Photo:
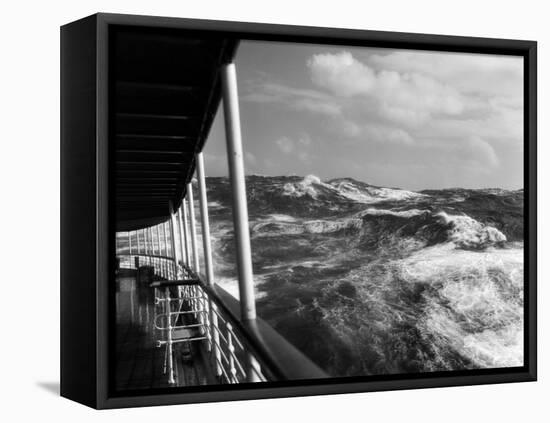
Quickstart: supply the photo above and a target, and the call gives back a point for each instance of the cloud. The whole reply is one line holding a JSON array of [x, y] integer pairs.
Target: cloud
[[304, 140], [482, 74], [399, 97], [298, 148], [250, 158], [341, 74], [468, 106], [285, 144], [304, 157], [296, 99], [478, 151]]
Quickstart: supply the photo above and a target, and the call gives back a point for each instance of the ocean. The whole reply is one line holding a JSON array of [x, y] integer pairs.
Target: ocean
[[369, 280]]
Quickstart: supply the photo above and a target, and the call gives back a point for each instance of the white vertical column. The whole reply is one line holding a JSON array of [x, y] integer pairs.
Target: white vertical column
[[150, 236], [193, 227], [182, 237], [145, 242], [158, 240], [138, 248], [173, 239], [214, 336], [183, 211], [130, 243], [165, 249], [238, 188], [169, 348], [205, 222]]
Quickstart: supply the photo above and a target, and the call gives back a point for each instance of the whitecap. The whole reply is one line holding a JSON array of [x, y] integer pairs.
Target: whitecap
[[467, 232], [277, 228], [370, 194], [399, 213], [304, 187]]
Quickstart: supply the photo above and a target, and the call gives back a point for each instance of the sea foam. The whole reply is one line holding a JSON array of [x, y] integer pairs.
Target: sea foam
[[466, 232]]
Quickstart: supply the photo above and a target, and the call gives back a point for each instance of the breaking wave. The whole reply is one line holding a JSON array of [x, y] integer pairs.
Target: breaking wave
[[442, 308], [467, 232], [369, 280], [313, 187], [427, 227]]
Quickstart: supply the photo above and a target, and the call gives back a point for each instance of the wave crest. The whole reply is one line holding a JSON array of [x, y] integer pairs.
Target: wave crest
[[466, 232], [347, 189]]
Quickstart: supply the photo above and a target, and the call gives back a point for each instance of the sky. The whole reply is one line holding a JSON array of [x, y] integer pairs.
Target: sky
[[397, 118]]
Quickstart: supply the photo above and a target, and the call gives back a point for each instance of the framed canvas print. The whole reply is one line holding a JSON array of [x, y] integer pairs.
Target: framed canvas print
[[255, 211]]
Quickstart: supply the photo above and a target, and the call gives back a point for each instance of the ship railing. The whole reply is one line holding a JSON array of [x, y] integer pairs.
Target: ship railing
[[194, 316], [164, 267], [188, 310], [243, 347]]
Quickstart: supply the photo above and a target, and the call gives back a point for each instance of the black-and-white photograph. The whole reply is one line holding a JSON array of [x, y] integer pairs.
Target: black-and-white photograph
[[292, 211]]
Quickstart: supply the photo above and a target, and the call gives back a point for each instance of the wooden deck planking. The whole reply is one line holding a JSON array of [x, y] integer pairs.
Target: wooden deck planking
[[139, 363]]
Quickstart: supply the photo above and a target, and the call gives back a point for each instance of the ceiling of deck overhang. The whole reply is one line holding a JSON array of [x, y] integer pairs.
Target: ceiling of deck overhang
[[164, 93]]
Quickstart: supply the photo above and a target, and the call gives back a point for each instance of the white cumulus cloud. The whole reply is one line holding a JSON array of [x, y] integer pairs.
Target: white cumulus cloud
[[285, 144]]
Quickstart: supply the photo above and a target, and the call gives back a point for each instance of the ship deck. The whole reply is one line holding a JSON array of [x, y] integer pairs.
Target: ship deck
[[139, 363]]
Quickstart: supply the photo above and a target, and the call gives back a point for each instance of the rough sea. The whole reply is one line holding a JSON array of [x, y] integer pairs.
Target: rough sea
[[369, 280]]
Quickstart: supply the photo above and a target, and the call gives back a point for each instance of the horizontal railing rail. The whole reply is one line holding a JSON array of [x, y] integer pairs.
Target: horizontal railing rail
[[259, 338], [241, 351], [164, 266]]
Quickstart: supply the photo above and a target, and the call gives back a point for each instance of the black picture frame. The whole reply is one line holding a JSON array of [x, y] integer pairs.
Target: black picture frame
[[86, 212]]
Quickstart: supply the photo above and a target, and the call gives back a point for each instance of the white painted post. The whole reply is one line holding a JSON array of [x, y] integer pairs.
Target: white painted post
[[169, 349], [214, 336], [205, 223], [165, 249], [138, 247], [159, 249], [183, 211], [173, 238], [158, 240], [145, 242], [182, 238], [148, 240], [130, 243], [191, 208], [150, 231], [238, 188]]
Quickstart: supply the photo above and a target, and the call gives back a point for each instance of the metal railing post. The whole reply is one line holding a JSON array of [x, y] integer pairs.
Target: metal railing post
[[182, 239], [130, 243], [158, 239], [173, 238], [193, 227], [238, 190], [165, 249], [150, 232], [231, 349], [183, 211], [205, 222], [240, 207], [145, 242], [208, 266], [159, 249], [215, 339], [169, 351]]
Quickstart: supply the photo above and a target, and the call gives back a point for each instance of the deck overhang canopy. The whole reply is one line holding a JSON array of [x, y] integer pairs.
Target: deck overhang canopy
[[164, 97]]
